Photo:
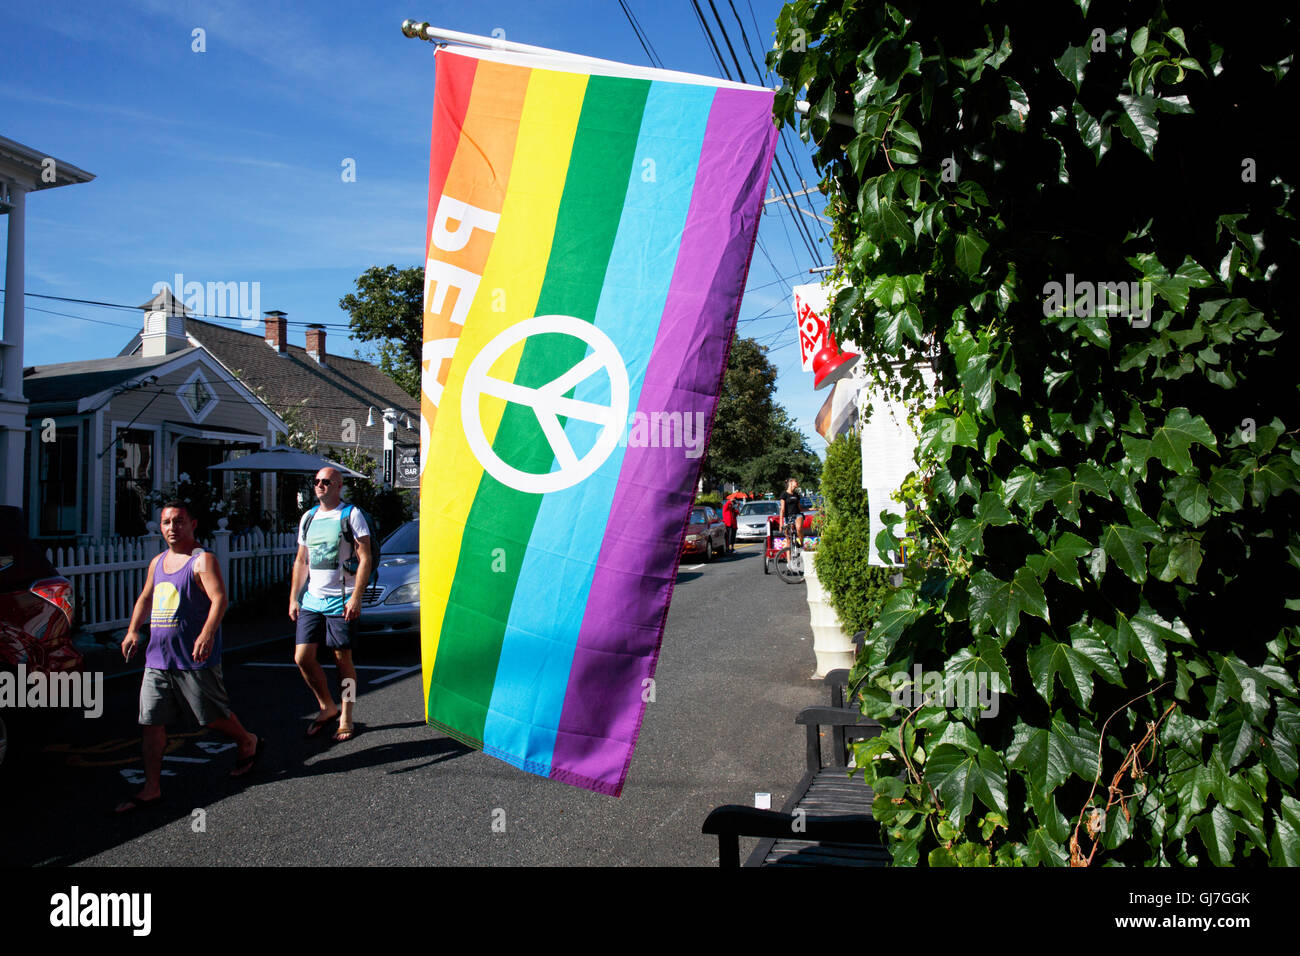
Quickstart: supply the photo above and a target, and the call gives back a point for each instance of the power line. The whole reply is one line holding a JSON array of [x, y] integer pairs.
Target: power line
[[717, 54], [640, 35], [190, 313], [800, 226], [782, 136]]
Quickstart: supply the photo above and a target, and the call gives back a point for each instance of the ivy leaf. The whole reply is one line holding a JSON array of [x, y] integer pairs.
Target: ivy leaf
[[991, 511], [1227, 489], [1280, 758], [984, 660], [1061, 558], [970, 252], [1019, 487], [941, 431], [1179, 557], [1138, 122], [1124, 546], [1272, 477], [1218, 830], [1043, 851], [1288, 721], [1000, 602], [1049, 660], [1236, 737], [1285, 848], [1142, 632], [1049, 755], [960, 736], [899, 612], [958, 778], [1071, 64], [1191, 498], [896, 330], [1172, 440]]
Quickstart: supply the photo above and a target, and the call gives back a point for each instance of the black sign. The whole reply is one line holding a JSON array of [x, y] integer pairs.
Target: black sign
[[408, 466]]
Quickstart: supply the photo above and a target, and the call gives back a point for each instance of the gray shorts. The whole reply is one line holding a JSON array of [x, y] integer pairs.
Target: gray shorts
[[202, 690]]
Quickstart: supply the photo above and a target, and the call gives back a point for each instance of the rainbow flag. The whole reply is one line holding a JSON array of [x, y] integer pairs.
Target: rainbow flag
[[590, 229]]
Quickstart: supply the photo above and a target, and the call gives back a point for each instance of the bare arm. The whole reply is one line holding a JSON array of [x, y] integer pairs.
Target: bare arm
[[300, 575], [209, 575], [353, 608], [143, 605]]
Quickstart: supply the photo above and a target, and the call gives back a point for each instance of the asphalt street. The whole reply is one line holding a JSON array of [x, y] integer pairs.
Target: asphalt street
[[733, 672]]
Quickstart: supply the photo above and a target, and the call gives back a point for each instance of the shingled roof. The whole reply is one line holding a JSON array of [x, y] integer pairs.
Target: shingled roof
[[343, 388], [57, 389]]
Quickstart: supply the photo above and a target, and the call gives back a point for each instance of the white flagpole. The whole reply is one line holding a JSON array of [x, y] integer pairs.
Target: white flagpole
[[441, 37], [505, 51]]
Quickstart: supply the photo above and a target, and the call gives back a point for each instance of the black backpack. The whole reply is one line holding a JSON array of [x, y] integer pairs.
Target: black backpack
[[351, 564]]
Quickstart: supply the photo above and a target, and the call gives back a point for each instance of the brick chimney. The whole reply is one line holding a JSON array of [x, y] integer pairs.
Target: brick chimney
[[316, 343], [276, 336]]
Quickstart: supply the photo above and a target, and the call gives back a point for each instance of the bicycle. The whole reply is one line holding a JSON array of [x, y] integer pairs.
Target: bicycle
[[789, 560]]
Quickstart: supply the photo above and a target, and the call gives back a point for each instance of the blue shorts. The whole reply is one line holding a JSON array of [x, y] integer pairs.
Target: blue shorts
[[332, 630]]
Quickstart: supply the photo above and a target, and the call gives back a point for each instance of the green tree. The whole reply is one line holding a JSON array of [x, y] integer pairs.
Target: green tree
[[857, 588], [388, 308], [742, 426], [1106, 499], [785, 455]]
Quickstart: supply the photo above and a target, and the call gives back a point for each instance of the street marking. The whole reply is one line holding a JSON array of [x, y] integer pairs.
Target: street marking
[[360, 667], [187, 759], [137, 776], [214, 747], [402, 673]]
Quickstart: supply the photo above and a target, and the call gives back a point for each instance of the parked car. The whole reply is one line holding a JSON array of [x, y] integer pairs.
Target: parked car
[[36, 608], [705, 534], [751, 524], [392, 604]]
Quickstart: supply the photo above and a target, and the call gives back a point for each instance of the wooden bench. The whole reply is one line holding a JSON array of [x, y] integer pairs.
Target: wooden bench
[[827, 820]]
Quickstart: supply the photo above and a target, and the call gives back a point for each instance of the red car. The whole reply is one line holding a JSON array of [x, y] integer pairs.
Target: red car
[[705, 534], [35, 608]]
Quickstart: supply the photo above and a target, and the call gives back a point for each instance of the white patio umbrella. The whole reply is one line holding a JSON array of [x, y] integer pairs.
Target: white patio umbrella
[[283, 458]]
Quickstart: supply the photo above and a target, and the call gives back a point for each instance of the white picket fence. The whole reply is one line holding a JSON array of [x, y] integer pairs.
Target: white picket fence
[[107, 577]]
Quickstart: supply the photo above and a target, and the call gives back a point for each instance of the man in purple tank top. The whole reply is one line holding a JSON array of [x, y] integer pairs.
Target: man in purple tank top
[[184, 600]]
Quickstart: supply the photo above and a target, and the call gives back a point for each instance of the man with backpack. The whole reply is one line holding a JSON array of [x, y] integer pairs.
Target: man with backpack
[[332, 537]]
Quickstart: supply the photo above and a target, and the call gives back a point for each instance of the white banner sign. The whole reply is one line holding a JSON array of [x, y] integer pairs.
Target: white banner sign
[[810, 302]]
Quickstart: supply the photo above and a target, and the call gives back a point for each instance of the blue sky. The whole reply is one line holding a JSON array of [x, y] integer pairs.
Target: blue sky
[[226, 165]]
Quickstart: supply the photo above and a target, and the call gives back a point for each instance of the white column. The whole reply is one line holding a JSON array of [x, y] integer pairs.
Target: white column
[[13, 425]]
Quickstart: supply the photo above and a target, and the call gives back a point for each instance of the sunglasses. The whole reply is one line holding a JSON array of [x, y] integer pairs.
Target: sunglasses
[[323, 481]]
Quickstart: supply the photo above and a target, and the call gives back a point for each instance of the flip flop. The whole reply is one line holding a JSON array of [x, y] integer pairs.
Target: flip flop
[[343, 736], [318, 725], [244, 765], [137, 803]]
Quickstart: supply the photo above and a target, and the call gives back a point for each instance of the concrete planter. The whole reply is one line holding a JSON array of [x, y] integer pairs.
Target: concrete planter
[[831, 645]]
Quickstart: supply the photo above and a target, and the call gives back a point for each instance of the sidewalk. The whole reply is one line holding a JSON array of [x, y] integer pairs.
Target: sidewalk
[[257, 621]]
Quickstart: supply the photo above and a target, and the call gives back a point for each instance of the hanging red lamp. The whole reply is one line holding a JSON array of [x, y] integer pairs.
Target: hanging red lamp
[[830, 364]]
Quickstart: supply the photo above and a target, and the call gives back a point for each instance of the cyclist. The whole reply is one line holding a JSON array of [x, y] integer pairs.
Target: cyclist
[[792, 509]]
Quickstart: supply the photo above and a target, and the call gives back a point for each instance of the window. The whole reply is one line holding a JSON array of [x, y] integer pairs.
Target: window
[[57, 482], [197, 396], [133, 476]]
